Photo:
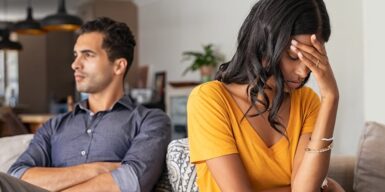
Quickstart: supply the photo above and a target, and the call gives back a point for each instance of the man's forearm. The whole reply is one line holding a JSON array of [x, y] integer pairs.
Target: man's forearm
[[100, 183], [56, 179]]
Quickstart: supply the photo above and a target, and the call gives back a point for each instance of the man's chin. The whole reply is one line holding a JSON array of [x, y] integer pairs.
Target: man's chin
[[82, 89]]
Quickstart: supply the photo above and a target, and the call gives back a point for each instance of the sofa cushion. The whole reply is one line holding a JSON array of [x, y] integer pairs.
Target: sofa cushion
[[341, 169], [181, 173], [11, 148], [370, 167]]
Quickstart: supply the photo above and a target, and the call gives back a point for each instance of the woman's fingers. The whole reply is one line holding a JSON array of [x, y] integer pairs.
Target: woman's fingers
[[313, 55], [306, 48], [318, 45], [305, 54], [316, 49], [313, 66]]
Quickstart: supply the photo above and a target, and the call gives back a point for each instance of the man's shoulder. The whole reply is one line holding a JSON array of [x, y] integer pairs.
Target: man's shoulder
[[50, 127], [61, 117], [149, 112]]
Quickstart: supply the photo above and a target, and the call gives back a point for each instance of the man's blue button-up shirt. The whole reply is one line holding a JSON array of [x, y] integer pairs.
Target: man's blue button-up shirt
[[127, 133]]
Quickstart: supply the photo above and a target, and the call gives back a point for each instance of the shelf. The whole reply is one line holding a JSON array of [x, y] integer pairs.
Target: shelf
[[180, 84]]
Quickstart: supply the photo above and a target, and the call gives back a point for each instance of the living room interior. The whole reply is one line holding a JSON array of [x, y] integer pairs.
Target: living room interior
[[164, 29]]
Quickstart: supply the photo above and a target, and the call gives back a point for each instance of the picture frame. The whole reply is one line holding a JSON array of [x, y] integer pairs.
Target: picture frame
[[159, 86]]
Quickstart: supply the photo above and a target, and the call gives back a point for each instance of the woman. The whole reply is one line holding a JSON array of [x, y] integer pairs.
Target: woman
[[258, 128]]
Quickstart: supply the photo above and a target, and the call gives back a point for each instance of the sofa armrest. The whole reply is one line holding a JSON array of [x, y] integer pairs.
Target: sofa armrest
[[11, 148], [341, 169]]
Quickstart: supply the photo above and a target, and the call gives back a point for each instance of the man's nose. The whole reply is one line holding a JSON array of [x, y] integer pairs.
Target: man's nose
[[75, 64]]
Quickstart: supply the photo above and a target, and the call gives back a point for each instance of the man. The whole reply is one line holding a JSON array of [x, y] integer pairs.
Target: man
[[107, 143]]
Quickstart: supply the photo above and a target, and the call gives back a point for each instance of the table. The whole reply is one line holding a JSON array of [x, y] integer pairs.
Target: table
[[34, 121]]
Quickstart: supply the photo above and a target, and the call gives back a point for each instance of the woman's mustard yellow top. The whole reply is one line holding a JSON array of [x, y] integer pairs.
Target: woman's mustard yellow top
[[215, 129]]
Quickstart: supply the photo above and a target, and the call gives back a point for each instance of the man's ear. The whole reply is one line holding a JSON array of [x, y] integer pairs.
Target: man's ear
[[120, 66]]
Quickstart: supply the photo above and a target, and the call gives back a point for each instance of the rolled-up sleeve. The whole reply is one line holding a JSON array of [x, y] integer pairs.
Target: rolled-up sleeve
[[125, 177], [146, 156], [37, 153]]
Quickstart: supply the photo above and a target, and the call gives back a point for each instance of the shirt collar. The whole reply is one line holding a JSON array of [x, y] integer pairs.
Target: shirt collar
[[81, 106], [125, 101]]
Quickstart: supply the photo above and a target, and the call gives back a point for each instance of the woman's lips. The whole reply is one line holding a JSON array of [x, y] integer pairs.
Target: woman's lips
[[293, 84]]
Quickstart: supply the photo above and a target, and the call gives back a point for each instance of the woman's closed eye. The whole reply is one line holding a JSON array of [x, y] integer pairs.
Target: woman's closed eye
[[293, 56]]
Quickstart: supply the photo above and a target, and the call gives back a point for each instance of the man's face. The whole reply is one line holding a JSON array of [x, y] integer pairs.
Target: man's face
[[93, 70]]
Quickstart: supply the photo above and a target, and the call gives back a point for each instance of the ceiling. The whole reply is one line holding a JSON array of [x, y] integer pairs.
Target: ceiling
[[15, 10]]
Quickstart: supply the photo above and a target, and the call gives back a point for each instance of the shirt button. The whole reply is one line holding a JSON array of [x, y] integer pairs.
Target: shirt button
[[89, 131], [83, 153]]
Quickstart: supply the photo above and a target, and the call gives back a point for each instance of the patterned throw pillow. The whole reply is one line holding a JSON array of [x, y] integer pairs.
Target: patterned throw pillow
[[181, 174]]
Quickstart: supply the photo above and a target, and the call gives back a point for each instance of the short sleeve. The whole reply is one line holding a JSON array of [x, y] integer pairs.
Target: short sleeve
[[209, 127], [310, 104]]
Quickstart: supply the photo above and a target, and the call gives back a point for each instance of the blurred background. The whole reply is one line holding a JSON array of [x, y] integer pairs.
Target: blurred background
[[37, 79]]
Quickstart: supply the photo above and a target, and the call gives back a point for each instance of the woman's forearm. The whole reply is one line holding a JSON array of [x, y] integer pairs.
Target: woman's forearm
[[281, 189], [314, 165]]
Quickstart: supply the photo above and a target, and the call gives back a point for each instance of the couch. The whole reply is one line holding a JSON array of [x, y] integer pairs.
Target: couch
[[364, 172]]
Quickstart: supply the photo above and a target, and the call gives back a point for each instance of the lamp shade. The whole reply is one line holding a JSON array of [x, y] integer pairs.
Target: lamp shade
[[61, 21], [6, 43], [29, 26]]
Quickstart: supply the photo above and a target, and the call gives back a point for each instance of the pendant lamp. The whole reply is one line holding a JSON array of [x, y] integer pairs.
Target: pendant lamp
[[29, 26], [6, 43], [61, 21]]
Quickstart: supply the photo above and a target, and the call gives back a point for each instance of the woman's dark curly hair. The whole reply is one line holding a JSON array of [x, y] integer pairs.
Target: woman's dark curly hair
[[264, 35]]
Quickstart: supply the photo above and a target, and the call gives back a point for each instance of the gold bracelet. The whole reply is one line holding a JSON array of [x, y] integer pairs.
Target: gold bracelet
[[328, 139], [328, 148]]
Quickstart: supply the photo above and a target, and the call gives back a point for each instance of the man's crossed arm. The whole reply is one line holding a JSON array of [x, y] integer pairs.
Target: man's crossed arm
[[90, 176]]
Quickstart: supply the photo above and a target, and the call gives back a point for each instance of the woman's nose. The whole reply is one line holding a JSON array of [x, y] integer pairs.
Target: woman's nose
[[302, 70]]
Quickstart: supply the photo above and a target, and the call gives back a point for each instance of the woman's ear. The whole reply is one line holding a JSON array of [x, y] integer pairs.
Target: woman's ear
[[120, 66]]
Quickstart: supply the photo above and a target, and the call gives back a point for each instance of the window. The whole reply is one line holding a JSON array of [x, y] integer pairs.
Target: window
[[9, 77]]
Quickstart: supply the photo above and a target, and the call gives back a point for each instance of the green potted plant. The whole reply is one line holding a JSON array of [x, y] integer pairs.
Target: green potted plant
[[205, 61]]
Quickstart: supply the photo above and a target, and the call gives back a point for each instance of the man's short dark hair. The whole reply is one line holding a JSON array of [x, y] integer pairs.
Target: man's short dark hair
[[118, 40]]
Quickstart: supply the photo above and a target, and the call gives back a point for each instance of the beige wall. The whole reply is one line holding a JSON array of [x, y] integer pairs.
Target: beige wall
[[374, 64]]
